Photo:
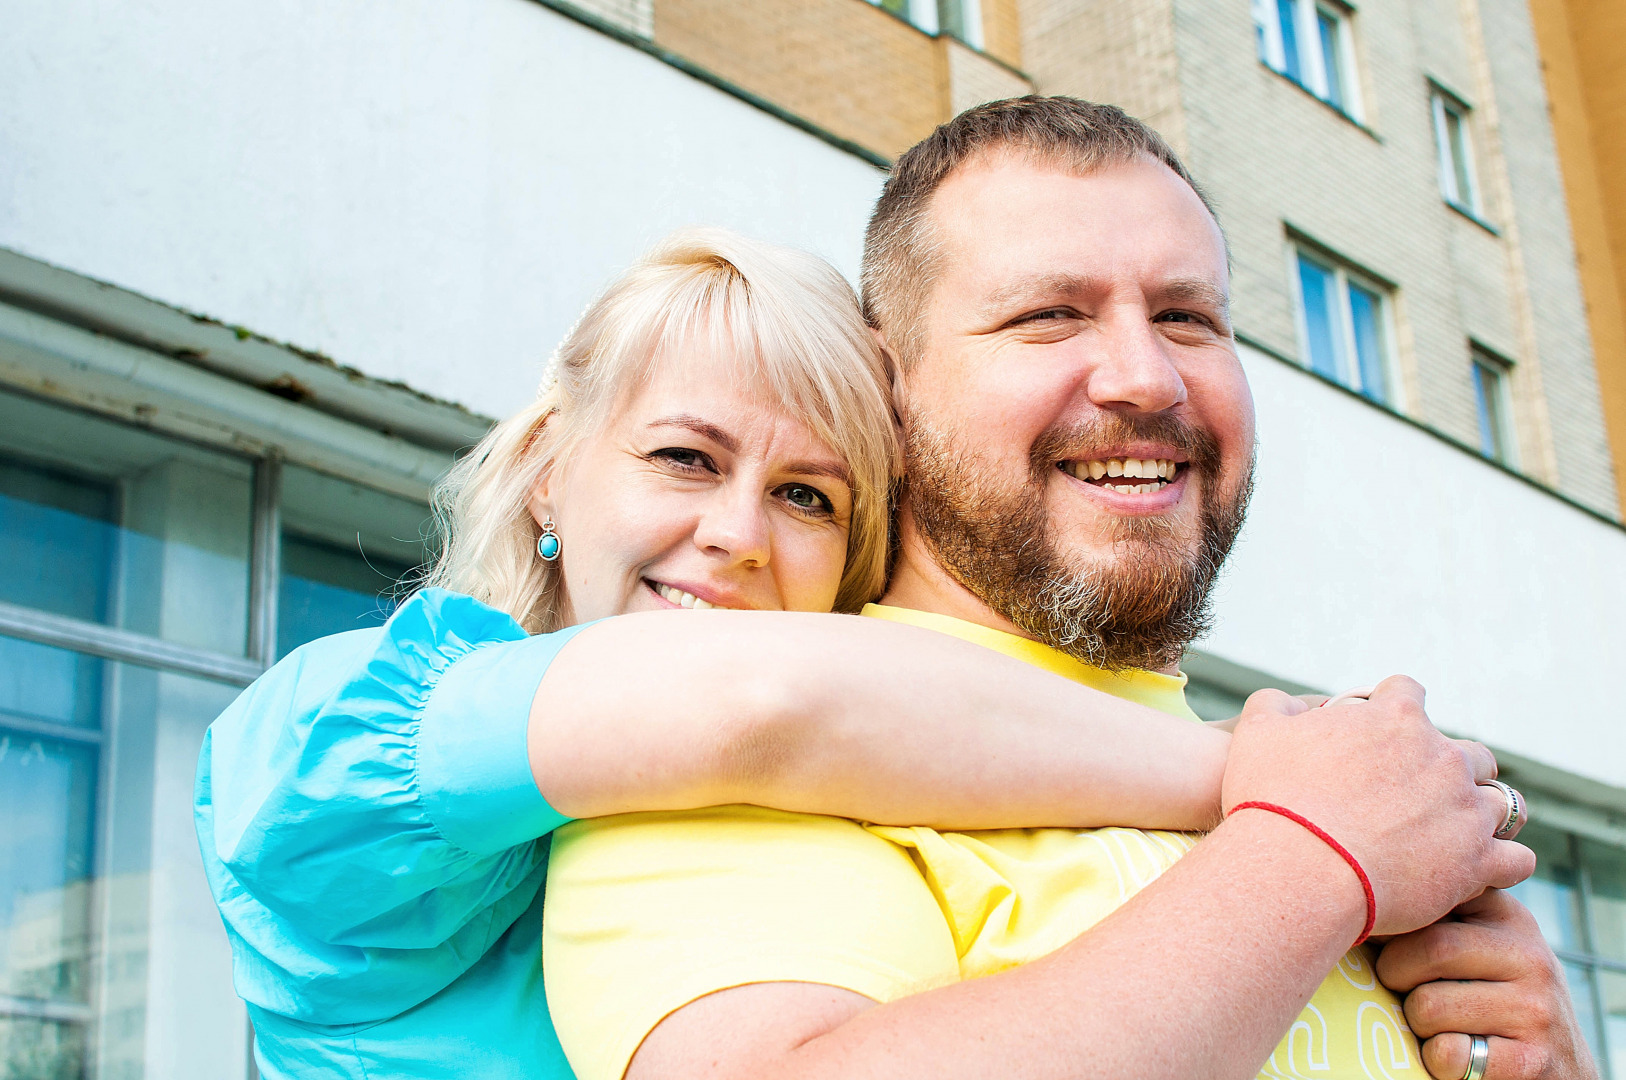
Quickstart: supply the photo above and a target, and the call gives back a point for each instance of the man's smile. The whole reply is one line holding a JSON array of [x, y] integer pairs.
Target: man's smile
[[1128, 475]]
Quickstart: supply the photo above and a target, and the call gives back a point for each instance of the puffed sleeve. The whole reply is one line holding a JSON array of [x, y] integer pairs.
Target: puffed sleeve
[[367, 814]]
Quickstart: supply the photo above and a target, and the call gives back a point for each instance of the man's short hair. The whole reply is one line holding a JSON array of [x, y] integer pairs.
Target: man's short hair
[[900, 254]]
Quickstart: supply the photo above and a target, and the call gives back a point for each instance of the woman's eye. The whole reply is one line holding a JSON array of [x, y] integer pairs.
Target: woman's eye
[[807, 498], [683, 458]]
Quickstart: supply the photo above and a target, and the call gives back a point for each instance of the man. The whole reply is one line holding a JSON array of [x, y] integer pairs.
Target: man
[[1079, 445]]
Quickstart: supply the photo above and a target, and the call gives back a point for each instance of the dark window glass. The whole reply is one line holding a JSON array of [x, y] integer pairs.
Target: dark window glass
[[328, 590]]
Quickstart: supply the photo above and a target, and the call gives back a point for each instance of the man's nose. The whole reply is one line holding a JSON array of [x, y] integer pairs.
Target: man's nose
[[734, 527], [1131, 369]]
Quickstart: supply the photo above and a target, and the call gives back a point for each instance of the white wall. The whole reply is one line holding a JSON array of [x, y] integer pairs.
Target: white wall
[[1375, 548], [427, 191]]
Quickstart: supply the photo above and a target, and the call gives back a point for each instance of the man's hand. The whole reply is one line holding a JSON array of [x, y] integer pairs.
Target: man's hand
[[1488, 973], [1405, 800]]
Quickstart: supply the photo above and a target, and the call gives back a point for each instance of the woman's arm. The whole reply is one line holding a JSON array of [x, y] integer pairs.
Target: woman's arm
[[857, 717]]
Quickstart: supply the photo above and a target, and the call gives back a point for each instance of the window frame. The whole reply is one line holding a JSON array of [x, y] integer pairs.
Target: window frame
[[58, 363], [927, 17], [1456, 157], [1346, 346], [1503, 430], [1310, 51]]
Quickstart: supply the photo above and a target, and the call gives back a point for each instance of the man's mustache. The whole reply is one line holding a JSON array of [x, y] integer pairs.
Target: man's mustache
[[1083, 439]]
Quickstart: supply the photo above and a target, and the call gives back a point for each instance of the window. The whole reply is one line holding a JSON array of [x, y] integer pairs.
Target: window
[[136, 600], [1490, 376], [958, 18], [1343, 325], [1309, 42], [1578, 895], [1456, 150]]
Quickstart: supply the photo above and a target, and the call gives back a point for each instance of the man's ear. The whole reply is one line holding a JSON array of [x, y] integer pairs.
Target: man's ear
[[895, 377]]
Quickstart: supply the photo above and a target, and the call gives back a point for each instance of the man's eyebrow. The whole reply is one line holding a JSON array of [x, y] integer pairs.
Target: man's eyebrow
[[700, 427], [1036, 288], [1194, 291]]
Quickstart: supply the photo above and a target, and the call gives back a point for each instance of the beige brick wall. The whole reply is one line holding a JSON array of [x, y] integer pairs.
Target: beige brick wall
[[1120, 51], [1002, 31], [974, 78], [1583, 47], [845, 65]]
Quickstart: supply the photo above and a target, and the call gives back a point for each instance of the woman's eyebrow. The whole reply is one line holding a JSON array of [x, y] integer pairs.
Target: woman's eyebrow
[[700, 427], [829, 469]]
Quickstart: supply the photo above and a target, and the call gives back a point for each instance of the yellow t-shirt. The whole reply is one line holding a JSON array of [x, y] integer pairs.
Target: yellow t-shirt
[[647, 912]]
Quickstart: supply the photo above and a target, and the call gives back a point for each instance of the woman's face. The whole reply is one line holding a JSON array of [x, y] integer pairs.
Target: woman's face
[[701, 491]]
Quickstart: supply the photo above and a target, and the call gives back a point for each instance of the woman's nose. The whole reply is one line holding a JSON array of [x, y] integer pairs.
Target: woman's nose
[[735, 526]]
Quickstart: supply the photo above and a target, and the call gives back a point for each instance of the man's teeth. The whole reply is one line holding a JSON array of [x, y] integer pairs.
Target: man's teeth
[[1161, 472], [683, 599]]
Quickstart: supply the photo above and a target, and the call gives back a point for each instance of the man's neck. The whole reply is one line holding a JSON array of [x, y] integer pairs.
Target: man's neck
[[920, 583]]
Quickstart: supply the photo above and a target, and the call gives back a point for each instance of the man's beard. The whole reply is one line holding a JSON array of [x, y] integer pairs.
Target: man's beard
[[1139, 609]]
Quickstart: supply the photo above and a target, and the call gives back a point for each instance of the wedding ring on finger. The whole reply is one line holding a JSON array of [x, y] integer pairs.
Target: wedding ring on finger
[[1360, 693], [1516, 812], [1478, 1055]]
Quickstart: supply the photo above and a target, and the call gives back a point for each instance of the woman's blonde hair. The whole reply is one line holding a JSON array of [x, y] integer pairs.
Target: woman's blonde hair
[[786, 316]]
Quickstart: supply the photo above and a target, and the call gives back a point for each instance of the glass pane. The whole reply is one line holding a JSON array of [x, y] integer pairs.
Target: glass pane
[[1457, 139], [1488, 401], [1290, 40], [1613, 991], [111, 953], [1332, 61], [345, 550], [47, 800], [1364, 309], [1579, 981], [951, 18], [111, 524], [1552, 894], [1606, 874], [1316, 286], [32, 1049]]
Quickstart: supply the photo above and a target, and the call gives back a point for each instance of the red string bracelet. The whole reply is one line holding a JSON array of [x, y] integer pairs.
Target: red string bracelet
[[1343, 853]]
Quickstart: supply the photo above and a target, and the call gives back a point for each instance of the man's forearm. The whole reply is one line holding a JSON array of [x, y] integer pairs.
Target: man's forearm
[[1197, 976]]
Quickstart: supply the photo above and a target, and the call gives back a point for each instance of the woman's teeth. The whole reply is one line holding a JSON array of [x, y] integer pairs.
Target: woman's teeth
[[683, 599], [1160, 472]]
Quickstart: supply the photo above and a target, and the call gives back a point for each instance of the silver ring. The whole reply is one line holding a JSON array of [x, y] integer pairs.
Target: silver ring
[[1478, 1056], [1516, 812]]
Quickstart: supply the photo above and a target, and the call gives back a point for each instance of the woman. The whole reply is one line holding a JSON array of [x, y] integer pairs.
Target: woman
[[716, 434]]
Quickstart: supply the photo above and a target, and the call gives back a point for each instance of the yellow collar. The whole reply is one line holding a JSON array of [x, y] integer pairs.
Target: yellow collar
[[1166, 693]]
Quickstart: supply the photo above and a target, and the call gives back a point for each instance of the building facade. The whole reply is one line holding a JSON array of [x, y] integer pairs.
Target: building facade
[[265, 269]]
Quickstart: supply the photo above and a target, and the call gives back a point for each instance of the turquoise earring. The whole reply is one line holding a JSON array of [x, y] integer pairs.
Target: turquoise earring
[[547, 545]]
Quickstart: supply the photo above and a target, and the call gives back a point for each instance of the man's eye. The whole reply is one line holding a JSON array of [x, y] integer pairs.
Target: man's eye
[[1047, 315], [1181, 316]]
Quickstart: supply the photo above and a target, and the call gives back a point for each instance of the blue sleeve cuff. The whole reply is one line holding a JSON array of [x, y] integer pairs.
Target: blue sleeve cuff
[[474, 765]]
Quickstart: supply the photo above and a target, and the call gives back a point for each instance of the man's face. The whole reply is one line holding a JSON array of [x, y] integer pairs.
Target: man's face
[[1077, 334]]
